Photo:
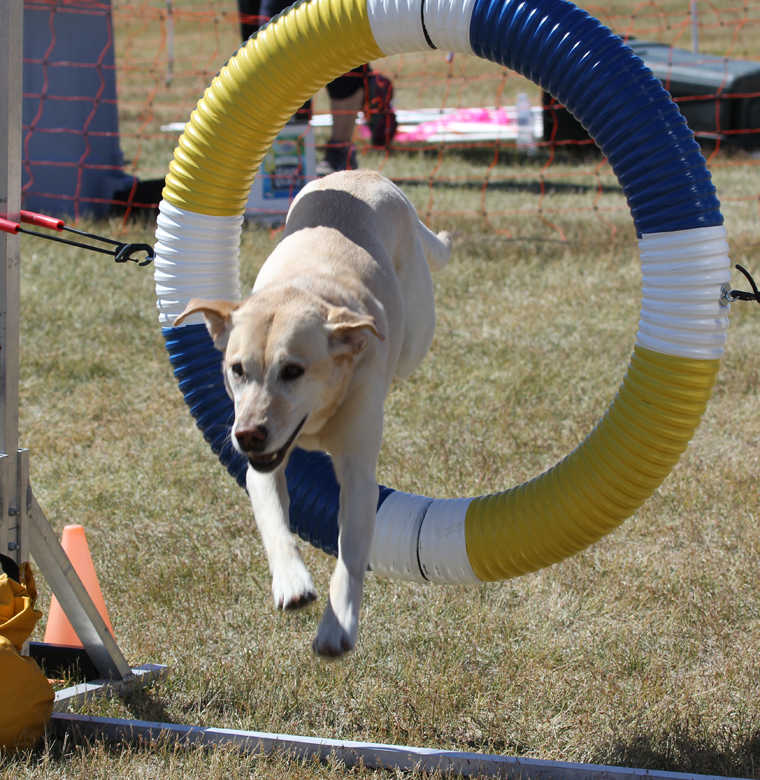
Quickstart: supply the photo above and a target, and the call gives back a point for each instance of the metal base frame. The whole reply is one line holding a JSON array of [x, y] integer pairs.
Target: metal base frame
[[368, 754], [80, 693], [24, 530]]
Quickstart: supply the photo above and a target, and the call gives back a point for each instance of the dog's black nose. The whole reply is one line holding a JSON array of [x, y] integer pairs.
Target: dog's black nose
[[253, 439]]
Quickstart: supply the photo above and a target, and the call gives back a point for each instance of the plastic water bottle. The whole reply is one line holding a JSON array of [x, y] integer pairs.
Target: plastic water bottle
[[526, 142]]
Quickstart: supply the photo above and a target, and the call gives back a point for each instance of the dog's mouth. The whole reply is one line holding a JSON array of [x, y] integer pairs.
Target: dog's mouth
[[268, 462]]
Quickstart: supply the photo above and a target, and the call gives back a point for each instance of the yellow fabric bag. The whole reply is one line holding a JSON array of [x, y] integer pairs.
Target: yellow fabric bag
[[26, 697]]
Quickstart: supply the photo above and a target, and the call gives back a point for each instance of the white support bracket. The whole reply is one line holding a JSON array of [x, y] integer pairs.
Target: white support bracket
[[80, 693]]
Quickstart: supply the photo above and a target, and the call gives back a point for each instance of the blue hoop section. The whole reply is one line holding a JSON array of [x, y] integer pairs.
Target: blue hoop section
[[614, 96]]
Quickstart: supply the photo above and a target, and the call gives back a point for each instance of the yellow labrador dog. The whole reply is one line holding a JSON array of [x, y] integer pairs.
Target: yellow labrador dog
[[342, 306]]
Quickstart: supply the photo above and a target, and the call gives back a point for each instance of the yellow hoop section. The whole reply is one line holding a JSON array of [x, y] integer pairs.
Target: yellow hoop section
[[249, 102], [601, 483]]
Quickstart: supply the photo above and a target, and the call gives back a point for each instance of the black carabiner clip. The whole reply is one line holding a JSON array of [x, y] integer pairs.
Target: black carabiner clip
[[744, 295], [123, 253], [120, 251]]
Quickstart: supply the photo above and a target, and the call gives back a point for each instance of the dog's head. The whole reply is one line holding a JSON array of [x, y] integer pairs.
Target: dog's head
[[288, 360]]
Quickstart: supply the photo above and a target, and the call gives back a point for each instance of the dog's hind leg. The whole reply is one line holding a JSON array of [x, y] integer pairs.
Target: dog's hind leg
[[429, 251], [292, 586]]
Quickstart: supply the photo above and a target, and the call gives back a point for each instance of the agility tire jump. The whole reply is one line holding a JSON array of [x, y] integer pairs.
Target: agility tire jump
[[683, 249]]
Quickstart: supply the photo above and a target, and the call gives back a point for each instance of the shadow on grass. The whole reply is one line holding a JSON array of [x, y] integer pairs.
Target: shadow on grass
[[533, 186], [143, 706], [681, 751], [502, 177], [669, 751]]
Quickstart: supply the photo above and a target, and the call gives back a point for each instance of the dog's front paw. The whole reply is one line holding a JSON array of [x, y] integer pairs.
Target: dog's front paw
[[332, 638], [292, 587]]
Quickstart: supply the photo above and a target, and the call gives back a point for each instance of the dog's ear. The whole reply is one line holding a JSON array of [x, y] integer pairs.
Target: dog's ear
[[348, 331], [217, 315]]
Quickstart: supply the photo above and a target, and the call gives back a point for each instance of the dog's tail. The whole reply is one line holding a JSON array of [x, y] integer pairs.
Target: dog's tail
[[437, 248]]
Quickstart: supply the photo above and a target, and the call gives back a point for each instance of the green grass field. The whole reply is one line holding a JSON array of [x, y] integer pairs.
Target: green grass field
[[640, 651]]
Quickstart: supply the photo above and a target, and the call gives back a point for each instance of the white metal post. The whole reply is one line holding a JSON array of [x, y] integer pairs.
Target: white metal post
[[24, 530], [11, 13]]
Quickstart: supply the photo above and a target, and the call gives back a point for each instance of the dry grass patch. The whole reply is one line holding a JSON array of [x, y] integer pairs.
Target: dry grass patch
[[640, 651]]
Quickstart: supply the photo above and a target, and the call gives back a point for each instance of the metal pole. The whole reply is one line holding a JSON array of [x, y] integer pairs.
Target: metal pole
[[694, 26], [23, 527], [169, 42], [11, 42]]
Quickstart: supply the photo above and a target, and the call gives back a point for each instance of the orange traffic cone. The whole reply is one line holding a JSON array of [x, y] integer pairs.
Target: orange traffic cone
[[59, 630]]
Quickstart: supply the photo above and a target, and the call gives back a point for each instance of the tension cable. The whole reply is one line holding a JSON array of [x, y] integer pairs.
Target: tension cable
[[119, 250], [743, 295]]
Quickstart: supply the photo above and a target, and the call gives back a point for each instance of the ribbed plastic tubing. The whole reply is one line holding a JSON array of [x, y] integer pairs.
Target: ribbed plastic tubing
[[683, 249]]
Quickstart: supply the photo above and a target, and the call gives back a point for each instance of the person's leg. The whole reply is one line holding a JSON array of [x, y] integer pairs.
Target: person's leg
[[346, 95], [344, 112]]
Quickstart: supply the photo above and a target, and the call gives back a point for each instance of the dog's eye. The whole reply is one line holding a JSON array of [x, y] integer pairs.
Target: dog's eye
[[237, 369], [290, 371]]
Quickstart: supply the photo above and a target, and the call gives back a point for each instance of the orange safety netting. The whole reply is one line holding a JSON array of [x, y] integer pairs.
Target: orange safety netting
[[149, 61]]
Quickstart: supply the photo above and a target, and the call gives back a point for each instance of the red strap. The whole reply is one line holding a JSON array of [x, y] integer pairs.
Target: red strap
[[9, 227], [41, 220]]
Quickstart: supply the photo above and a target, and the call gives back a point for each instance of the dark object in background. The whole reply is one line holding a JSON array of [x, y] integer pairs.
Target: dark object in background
[[249, 12], [721, 96], [378, 109], [139, 200], [73, 162], [10, 567]]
